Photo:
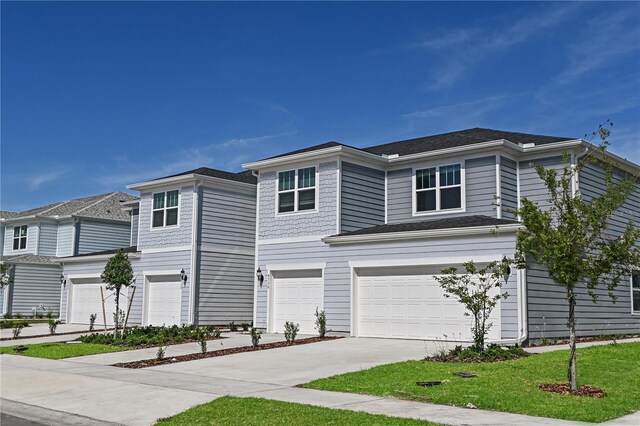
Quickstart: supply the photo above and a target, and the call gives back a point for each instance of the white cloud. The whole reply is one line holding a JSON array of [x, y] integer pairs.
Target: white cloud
[[34, 182]]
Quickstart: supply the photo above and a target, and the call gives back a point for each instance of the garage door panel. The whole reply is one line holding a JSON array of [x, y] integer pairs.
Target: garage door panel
[[87, 300], [411, 306], [295, 299], [164, 303]]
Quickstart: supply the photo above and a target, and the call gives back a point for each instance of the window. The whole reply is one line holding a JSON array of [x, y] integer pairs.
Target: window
[[438, 188], [297, 190], [20, 237], [165, 209], [635, 292]]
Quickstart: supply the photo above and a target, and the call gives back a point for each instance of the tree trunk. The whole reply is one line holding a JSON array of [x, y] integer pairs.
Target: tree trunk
[[572, 373], [117, 316]]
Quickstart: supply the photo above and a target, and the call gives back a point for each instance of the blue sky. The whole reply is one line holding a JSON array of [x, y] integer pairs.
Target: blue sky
[[97, 95]]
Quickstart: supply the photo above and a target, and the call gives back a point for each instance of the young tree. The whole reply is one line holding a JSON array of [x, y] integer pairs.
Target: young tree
[[570, 237], [473, 290], [5, 275], [117, 273]]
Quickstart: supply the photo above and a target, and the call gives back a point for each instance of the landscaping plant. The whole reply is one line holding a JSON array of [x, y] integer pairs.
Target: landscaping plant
[[570, 237], [117, 273], [233, 326], [202, 340], [245, 326], [321, 323], [255, 337], [92, 321], [53, 324], [17, 329], [475, 289], [291, 331]]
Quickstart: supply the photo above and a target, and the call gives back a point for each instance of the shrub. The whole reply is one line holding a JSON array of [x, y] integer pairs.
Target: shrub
[[92, 321], [49, 315], [53, 324], [17, 329], [160, 352], [233, 326], [152, 335], [255, 337], [18, 315], [291, 331], [321, 322], [11, 323], [245, 326], [213, 331], [38, 315], [201, 335], [491, 353]]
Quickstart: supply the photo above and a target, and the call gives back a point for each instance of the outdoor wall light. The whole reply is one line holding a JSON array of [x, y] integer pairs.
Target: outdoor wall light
[[183, 277], [259, 276], [507, 271], [62, 280]]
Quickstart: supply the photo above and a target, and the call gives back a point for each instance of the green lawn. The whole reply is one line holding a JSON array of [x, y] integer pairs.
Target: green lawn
[[512, 385], [257, 411], [61, 350]]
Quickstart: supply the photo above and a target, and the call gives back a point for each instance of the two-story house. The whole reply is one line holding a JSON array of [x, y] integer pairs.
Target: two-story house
[[32, 242], [360, 233], [192, 251]]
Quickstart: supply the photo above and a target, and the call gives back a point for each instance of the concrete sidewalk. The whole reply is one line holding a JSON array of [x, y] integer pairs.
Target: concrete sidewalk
[[565, 346]]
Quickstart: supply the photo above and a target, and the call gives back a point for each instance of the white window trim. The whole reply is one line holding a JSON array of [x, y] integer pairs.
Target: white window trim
[[438, 211], [26, 238], [158, 228], [631, 290], [296, 190]]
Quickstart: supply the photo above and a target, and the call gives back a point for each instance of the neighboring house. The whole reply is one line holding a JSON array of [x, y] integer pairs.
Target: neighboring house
[[33, 240], [360, 233], [192, 250]]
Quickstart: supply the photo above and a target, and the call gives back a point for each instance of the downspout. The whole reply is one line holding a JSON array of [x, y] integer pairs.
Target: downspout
[[522, 317], [574, 162], [194, 252], [255, 260]]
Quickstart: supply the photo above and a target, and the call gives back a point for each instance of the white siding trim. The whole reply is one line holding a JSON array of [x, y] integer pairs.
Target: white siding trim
[[498, 191], [386, 196], [166, 249], [290, 240], [194, 247], [226, 248], [37, 238], [256, 260], [295, 266], [425, 261], [518, 188], [338, 196]]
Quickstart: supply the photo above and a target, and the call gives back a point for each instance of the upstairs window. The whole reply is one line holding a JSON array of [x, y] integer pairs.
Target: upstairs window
[[635, 292], [20, 237], [165, 209], [438, 188], [297, 190]]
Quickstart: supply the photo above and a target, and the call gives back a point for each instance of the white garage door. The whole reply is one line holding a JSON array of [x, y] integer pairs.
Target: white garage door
[[296, 294], [408, 303], [86, 300], [164, 301]]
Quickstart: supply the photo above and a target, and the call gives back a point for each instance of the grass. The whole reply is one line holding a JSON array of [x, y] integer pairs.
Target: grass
[[257, 411], [60, 350], [511, 385]]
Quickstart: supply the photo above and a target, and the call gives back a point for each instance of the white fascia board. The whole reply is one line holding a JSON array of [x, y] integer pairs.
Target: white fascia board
[[448, 151], [412, 235], [96, 219], [230, 185], [424, 261], [295, 266], [315, 155], [79, 259], [130, 203], [175, 180]]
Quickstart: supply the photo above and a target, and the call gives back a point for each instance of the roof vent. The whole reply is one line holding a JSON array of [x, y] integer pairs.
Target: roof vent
[[528, 145]]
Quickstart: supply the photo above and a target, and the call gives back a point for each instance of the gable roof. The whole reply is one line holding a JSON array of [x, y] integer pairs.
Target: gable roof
[[101, 206], [4, 214], [441, 141], [245, 176], [460, 138], [29, 258]]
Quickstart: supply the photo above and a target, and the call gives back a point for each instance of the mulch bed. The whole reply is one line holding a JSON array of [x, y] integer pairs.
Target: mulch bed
[[552, 342], [475, 360], [221, 352], [50, 335], [565, 389]]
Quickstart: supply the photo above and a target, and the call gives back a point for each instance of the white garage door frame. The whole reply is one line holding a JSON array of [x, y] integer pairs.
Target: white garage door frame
[[145, 295], [434, 261], [81, 277], [282, 268]]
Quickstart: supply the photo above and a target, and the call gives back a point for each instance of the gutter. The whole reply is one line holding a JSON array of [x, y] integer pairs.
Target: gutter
[[89, 258], [409, 235]]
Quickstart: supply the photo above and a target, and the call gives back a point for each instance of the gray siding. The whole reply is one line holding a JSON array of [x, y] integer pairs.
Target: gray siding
[[531, 186], [337, 275], [135, 216], [166, 237], [323, 222], [228, 218], [48, 240], [98, 236], [548, 308], [480, 191], [34, 285], [508, 188], [362, 197], [65, 239], [150, 262], [226, 288]]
